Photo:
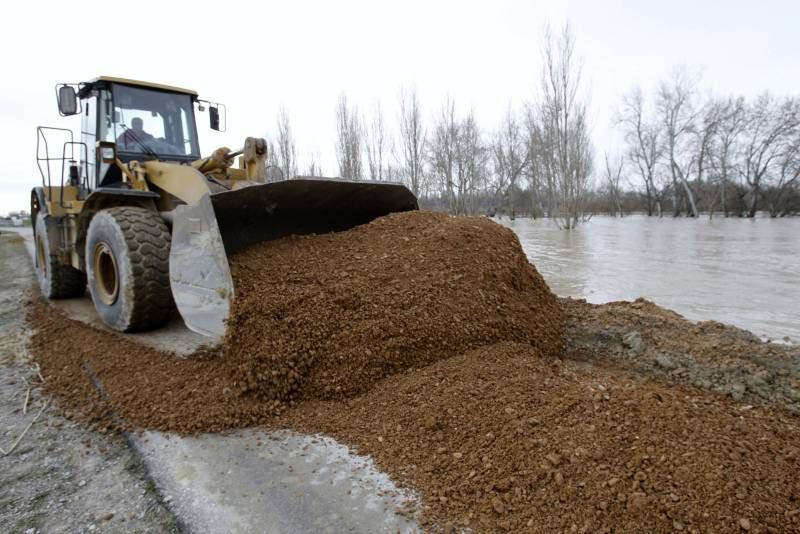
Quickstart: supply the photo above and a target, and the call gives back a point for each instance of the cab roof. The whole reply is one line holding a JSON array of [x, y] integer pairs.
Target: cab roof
[[138, 83]]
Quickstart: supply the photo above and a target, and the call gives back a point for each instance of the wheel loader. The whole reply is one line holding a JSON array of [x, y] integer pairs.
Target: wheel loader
[[148, 224]]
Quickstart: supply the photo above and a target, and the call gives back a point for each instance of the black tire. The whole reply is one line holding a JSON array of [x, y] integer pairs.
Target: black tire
[[57, 281], [127, 262]]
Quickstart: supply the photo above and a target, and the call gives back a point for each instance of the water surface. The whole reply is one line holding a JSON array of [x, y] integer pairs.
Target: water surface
[[739, 271]]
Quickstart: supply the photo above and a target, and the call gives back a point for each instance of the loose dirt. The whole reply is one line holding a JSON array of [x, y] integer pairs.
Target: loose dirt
[[325, 316], [496, 433]]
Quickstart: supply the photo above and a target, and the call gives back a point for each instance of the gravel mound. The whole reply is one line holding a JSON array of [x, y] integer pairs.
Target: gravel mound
[[503, 439], [326, 316]]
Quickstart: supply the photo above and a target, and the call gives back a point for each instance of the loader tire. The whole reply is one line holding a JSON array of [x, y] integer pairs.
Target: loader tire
[[56, 280], [127, 262]]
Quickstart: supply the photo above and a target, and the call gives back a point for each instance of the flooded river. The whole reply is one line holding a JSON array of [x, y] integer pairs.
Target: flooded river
[[737, 271]]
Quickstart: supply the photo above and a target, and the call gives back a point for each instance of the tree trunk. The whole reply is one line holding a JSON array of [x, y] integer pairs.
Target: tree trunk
[[690, 197]]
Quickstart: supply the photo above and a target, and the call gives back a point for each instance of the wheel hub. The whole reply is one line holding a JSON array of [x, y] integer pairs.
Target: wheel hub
[[106, 277]]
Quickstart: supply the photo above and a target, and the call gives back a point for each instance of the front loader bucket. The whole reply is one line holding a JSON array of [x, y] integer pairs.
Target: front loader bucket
[[220, 224]]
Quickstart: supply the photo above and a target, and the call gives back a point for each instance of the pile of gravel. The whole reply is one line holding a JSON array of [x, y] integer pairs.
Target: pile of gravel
[[326, 316]]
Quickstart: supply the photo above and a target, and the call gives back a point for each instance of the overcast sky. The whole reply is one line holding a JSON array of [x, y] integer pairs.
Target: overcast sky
[[257, 56]]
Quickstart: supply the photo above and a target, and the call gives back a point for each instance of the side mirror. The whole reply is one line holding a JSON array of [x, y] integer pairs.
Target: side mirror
[[67, 101], [213, 117]]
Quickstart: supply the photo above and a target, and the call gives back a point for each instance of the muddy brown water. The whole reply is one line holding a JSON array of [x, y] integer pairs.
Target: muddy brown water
[[742, 272]]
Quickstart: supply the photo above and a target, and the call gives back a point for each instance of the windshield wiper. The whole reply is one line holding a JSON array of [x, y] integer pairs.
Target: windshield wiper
[[145, 149]]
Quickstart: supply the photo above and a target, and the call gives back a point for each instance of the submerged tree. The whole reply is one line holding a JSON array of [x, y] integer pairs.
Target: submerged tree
[[645, 146], [562, 150]]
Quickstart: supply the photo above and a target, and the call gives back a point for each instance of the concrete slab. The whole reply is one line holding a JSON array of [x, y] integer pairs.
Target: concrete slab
[[279, 482], [257, 481]]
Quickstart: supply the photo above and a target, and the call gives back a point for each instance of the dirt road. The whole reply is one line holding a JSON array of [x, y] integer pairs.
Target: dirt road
[[62, 476]]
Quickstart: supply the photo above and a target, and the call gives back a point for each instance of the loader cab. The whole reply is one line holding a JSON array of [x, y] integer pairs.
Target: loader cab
[[146, 121]]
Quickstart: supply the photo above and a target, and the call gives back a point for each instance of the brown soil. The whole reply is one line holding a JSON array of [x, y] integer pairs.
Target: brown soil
[[325, 316], [503, 439], [502, 436]]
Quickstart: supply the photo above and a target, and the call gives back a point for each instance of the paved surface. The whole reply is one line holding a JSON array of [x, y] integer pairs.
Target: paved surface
[[253, 481], [257, 481], [55, 474]]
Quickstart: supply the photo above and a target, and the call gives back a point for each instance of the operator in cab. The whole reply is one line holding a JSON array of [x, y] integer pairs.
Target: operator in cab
[[133, 137]]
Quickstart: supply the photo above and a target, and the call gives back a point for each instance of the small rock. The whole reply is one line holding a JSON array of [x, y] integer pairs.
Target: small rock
[[498, 505], [457, 455], [677, 525], [634, 341], [737, 390], [665, 362], [637, 500], [744, 523], [82, 483], [613, 481], [553, 458], [108, 516]]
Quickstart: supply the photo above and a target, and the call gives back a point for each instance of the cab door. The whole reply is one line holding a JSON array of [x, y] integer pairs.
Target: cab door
[[89, 138]]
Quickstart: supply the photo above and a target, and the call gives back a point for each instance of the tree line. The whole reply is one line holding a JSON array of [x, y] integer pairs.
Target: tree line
[[683, 154], [690, 153]]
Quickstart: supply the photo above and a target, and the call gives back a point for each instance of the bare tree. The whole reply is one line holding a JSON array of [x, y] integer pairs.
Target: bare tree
[[443, 153], [314, 165], [412, 140], [612, 178], [458, 159], [645, 146], [348, 140], [675, 103], [561, 129], [709, 117], [771, 124], [788, 178], [274, 170], [509, 158], [377, 144], [287, 154], [471, 165], [723, 154]]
